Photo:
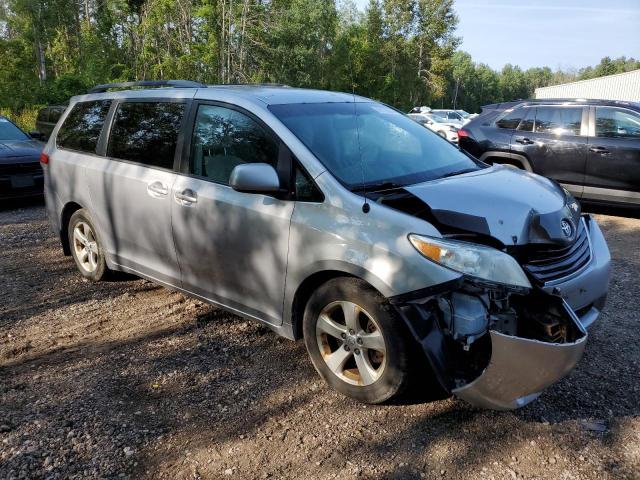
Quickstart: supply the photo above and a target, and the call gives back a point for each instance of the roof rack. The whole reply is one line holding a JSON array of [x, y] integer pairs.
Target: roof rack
[[148, 84]]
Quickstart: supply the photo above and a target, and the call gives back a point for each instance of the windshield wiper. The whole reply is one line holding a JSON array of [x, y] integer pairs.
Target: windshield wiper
[[459, 172], [376, 187]]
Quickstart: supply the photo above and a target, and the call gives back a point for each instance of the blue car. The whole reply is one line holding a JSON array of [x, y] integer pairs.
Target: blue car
[[20, 171]]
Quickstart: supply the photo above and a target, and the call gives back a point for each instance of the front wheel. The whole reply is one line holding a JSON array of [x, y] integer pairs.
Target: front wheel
[[356, 341]]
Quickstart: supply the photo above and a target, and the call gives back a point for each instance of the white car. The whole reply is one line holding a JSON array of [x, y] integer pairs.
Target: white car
[[443, 127], [455, 116]]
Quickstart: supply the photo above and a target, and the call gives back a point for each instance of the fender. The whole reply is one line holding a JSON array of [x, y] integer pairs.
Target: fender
[[510, 156]]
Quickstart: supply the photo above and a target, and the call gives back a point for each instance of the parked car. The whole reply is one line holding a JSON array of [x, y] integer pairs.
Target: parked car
[[336, 219], [20, 171], [47, 119], [460, 117], [441, 126], [591, 147]]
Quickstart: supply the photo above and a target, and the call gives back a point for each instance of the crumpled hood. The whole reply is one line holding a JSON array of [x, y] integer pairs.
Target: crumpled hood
[[20, 148], [510, 205]]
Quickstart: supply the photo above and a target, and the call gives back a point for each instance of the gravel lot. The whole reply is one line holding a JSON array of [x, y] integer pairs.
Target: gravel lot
[[127, 379]]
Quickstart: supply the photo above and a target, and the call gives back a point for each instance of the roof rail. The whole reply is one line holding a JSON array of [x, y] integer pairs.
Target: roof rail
[[148, 84]]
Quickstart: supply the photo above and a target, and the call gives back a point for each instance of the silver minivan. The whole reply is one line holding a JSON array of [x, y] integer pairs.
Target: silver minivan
[[336, 219]]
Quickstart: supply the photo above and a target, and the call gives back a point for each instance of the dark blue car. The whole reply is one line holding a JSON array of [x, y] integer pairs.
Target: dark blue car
[[20, 171]]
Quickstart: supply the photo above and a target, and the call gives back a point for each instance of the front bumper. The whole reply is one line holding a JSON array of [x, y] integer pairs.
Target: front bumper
[[521, 368], [586, 292]]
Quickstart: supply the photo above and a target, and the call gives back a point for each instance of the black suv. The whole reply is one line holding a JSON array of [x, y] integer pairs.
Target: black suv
[[592, 147]]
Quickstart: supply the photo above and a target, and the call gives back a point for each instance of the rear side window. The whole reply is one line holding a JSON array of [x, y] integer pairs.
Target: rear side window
[[617, 123], [146, 132], [559, 120], [224, 138], [526, 125], [511, 120], [81, 129]]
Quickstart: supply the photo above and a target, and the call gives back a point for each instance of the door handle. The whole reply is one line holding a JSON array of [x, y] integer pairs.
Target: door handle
[[600, 150], [157, 189], [186, 197], [524, 141]]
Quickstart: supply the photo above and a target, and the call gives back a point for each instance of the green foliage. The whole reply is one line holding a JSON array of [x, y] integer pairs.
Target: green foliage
[[402, 52], [25, 118]]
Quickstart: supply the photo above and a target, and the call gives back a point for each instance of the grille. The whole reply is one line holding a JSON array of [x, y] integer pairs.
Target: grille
[[20, 168], [550, 265]]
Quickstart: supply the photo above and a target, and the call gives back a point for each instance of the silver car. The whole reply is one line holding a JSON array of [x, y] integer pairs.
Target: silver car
[[336, 219]]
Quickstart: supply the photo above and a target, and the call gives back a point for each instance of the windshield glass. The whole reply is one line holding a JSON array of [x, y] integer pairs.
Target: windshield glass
[[387, 147], [8, 131]]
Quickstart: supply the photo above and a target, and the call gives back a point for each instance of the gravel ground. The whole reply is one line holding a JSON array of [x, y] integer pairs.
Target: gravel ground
[[129, 380]]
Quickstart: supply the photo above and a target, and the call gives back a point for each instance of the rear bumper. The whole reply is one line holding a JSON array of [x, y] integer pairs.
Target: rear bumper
[[521, 368], [34, 186]]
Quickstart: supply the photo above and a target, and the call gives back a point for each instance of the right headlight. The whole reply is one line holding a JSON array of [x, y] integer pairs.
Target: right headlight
[[478, 261]]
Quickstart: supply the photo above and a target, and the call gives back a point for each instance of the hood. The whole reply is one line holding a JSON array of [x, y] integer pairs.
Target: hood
[[513, 206], [20, 148]]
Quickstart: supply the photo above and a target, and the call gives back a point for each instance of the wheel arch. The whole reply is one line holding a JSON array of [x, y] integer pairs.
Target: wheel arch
[[507, 158], [311, 283], [67, 211]]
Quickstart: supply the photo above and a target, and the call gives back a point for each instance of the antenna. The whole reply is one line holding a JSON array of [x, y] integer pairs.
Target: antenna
[[365, 207]]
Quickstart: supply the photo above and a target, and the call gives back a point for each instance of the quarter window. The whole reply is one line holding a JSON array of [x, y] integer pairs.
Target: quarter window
[[81, 129], [224, 138], [559, 120], [146, 132], [511, 120], [617, 123]]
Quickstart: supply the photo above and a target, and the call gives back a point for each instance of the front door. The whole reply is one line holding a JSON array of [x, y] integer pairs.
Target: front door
[[232, 246], [555, 143], [613, 163]]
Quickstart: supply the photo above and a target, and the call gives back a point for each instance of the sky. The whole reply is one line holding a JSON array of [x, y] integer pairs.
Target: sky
[[567, 34]]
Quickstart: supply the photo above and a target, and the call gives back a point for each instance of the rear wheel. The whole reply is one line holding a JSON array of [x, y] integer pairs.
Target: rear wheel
[[86, 247], [356, 342]]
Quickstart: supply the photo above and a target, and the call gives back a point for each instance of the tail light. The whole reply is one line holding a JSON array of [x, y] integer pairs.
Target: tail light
[[44, 158], [463, 133]]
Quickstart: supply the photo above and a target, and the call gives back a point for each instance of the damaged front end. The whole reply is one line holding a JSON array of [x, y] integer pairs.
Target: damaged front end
[[495, 347], [533, 271]]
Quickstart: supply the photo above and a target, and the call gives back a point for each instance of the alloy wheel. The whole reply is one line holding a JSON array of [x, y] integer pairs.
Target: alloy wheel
[[85, 246], [351, 343]]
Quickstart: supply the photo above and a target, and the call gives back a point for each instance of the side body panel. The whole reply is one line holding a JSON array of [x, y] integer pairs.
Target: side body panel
[[232, 246], [338, 235], [560, 157], [613, 167], [133, 219]]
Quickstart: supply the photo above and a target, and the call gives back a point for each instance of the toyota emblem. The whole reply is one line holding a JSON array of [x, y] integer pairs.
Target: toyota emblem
[[567, 229]]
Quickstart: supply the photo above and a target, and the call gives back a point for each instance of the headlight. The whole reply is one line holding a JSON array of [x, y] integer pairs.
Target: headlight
[[475, 260]]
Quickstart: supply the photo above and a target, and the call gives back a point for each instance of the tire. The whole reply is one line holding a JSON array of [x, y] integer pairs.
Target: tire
[[443, 135], [86, 247], [341, 357]]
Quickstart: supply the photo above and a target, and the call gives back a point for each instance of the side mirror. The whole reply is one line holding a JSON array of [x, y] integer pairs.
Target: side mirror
[[255, 178], [36, 135]]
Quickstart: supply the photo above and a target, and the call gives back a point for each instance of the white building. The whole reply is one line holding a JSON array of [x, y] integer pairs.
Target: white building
[[622, 86]]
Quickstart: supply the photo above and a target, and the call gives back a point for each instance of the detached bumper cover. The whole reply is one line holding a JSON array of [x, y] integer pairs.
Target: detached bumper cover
[[520, 369]]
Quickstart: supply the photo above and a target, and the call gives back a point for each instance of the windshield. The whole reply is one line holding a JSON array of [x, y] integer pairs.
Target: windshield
[[388, 147], [463, 114], [8, 131]]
